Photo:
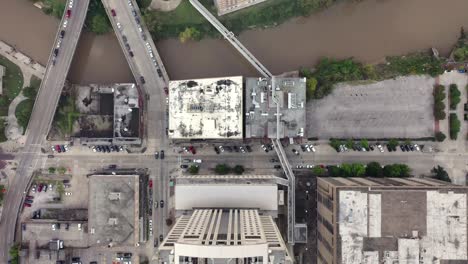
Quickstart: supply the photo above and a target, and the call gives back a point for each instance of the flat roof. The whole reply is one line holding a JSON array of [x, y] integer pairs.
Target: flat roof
[[411, 225], [261, 107], [208, 108], [113, 209]]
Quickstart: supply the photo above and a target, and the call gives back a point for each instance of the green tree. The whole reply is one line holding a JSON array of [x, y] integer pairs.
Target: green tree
[[30, 92], [439, 110], [454, 96], [2, 190], [349, 143], [364, 143], [393, 143], [335, 143], [14, 253], [353, 170], [61, 170], [374, 169], [370, 72], [319, 171], [238, 169], [454, 126], [222, 169], [440, 174], [100, 24], [396, 170], [334, 171], [190, 33], [193, 169], [52, 170], [439, 136], [311, 85]]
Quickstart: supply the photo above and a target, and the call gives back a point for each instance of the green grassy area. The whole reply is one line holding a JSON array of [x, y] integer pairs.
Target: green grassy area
[[24, 109], [66, 115], [270, 13], [12, 84]]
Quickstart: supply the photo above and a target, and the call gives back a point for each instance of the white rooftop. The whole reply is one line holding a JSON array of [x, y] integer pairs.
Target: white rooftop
[[206, 108]]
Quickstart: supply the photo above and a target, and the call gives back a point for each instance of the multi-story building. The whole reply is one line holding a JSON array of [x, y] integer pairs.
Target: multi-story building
[[391, 220]]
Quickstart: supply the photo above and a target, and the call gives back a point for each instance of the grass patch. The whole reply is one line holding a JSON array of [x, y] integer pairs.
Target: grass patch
[[270, 13], [24, 109], [12, 84]]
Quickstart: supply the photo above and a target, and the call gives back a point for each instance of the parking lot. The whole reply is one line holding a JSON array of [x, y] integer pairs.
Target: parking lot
[[400, 108]]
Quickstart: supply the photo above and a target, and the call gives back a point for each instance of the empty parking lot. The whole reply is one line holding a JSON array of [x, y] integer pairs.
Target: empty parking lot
[[400, 108]]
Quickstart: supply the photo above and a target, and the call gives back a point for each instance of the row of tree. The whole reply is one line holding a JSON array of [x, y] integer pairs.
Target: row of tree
[[439, 105], [372, 169]]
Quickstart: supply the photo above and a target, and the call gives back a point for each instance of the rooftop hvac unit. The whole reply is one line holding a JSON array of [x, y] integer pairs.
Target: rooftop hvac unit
[[292, 98], [262, 98]]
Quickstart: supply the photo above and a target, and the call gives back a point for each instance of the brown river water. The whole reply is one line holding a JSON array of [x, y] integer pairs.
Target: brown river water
[[368, 31]]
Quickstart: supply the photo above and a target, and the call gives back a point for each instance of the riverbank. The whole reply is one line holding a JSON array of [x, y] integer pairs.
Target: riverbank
[[368, 30]]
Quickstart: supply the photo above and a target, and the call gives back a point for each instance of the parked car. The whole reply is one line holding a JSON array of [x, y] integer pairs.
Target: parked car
[[184, 166], [156, 155], [113, 12], [193, 150], [161, 204], [295, 151], [277, 167], [150, 183], [166, 90], [142, 80], [216, 150], [197, 161], [68, 13], [62, 33], [248, 148], [27, 205], [162, 154]]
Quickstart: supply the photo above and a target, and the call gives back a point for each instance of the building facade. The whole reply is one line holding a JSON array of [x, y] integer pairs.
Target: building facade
[[391, 220]]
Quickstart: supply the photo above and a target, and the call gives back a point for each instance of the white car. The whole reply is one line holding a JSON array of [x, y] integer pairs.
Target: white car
[[119, 26], [50, 186], [61, 244], [309, 166], [70, 4], [66, 148], [65, 23], [140, 29], [312, 148], [94, 149], [380, 148], [221, 148], [197, 161], [417, 147], [33, 189], [68, 193], [53, 148], [54, 227], [79, 226]]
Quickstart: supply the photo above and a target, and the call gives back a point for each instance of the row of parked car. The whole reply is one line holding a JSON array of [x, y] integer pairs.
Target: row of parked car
[[108, 149], [242, 149], [60, 148], [380, 147], [62, 32]]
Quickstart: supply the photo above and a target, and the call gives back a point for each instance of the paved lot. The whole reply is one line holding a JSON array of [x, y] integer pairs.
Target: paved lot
[[399, 108]]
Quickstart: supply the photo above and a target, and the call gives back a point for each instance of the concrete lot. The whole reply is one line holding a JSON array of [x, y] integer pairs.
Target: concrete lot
[[400, 108]]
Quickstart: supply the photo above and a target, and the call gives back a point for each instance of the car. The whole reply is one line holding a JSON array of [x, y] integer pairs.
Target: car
[[416, 147], [161, 238], [112, 166], [303, 147], [156, 155], [33, 189], [159, 73], [312, 148], [371, 148], [131, 53], [412, 147], [45, 188], [150, 183], [216, 150], [166, 91], [221, 148], [142, 80], [50, 186], [130, 3], [407, 148], [27, 205], [295, 151], [299, 167], [50, 156], [119, 26], [127, 46], [53, 148], [402, 148], [274, 160], [113, 12], [62, 33], [70, 4], [66, 148], [162, 154], [68, 13], [56, 51], [186, 160], [54, 226], [79, 227], [65, 23], [61, 244], [381, 149], [68, 193], [140, 29], [29, 197], [143, 35], [197, 161], [67, 226], [309, 166], [161, 203], [248, 148], [264, 148], [39, 189], [236, 149], [108, 149], [29, 201], [242, 149], [184, 166], [277, 167]]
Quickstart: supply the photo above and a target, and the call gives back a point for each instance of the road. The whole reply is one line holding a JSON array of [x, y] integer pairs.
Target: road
[[40, 122], [145, 62]]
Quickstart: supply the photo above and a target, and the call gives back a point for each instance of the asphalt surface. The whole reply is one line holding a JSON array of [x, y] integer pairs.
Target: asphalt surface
[[40, 121]]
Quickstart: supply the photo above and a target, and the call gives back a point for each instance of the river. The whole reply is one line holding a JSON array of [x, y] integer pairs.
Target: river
[[367, 30]]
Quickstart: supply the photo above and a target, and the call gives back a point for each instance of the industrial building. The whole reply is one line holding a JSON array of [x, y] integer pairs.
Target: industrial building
[[228, 6], [391, 220], [206, 108], [265, 98], [225, 219], [110, 114]]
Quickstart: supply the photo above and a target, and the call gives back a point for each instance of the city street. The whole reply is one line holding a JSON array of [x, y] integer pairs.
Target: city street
[[41, 119]]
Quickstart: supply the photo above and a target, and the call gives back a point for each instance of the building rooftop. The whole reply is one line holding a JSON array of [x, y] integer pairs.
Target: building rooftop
[[228, 6], [223, 235], [417, 222], [261, 107], [113, 210], [226, 191], [126, 111], [206, 108]]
